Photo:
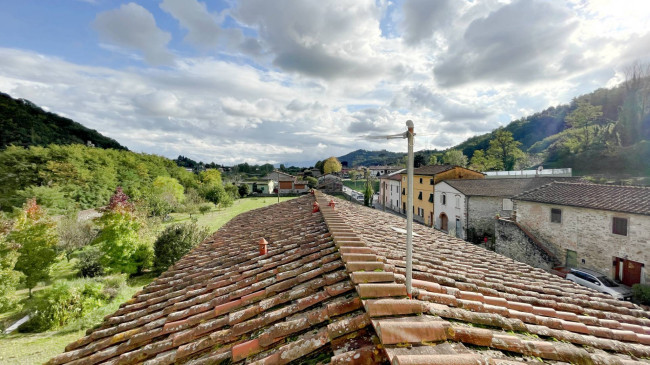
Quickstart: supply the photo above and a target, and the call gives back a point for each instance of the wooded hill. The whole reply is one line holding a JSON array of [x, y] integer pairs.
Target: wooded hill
[[24, 124], [616, 143]]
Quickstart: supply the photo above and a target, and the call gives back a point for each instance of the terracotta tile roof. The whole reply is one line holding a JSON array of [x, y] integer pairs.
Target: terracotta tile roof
[[431, 169], [628, 199], [225, 302], [332, 284], [503, 187], [473, 306]]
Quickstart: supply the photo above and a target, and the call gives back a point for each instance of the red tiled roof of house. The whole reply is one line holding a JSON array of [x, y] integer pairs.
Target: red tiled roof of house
[[618, 198], [332, 285]]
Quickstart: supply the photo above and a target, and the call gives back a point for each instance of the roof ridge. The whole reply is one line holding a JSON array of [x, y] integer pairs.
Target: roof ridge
[[534, 189], [604, 185]]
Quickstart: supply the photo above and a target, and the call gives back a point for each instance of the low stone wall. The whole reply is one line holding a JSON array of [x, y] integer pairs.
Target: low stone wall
[[512, 242]]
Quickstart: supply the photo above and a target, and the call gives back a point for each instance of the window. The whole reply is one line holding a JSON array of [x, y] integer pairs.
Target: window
[[556, 215], [403, 191], [420, 180], [430, 181], [430, 198], [457, 201], [443, 199], [420, 196], [507, 204], [619, 226]]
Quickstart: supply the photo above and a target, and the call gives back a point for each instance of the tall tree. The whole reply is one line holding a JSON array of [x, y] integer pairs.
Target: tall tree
[[433, 160], [331, 165], [8, 276], [482, 162], [35, 234], [504, 149], [582, 117], [419, 160], [454, 157]]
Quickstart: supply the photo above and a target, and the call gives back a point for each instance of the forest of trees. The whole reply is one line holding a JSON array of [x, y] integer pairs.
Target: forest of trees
[[24, 124]]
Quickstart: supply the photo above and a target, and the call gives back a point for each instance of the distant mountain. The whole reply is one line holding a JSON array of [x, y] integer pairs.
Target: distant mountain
[[22, 123], [370, 158]]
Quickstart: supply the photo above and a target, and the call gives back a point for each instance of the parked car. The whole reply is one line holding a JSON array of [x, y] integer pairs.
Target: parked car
[[599, 282]]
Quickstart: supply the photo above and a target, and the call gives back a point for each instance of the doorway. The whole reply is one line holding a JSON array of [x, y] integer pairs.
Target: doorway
[[444, 222], [627, 272]]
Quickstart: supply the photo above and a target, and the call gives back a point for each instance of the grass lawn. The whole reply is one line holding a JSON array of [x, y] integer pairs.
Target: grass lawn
[[21, 348], [220, 216], [359, 185]]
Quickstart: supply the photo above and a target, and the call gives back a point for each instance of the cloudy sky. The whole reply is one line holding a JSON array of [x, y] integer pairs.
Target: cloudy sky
[[300, 80]]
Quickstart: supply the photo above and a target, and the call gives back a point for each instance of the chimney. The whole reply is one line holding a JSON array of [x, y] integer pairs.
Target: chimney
[[263, 246]]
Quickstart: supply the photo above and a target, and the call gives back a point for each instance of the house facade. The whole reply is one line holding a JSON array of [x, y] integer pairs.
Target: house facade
[[263, 186], [390, 191], [424, 182], [601, 227], [377, 171], [468, 209], [288, 184]]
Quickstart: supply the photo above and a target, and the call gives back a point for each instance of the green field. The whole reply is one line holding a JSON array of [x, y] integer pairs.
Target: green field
[[359, 185], [217, 217], [21, 348]]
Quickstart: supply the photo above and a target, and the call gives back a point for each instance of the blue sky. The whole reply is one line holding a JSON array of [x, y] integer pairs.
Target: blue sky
[[301, 80]]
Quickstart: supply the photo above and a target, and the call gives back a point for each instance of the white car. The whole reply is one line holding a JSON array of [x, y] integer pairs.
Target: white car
[[599, 282]]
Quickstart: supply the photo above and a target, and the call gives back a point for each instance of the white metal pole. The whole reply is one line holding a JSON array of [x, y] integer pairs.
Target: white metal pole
[[409, 211]]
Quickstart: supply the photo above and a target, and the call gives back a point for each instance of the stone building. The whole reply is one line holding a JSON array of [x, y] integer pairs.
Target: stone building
[[423, 188], [602, 227], [468, 208], [330, 184]]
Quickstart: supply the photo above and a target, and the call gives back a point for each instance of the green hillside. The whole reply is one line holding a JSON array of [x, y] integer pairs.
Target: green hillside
[[615, 143], [24, 124]]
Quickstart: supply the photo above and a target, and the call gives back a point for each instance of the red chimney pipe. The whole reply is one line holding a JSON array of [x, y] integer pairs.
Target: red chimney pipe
[[263, 247]]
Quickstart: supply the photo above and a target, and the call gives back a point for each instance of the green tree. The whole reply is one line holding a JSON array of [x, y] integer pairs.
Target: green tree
[[582, 117], [332, 165], [244, 190], [312, 181], [8, 276], [419, 161], [433, 160], [74, 235], [504, 149], [454, 157], [319, 166], [354, 174], [368, 192], [35, 234], [481, 162], [174, 242], [169, 188]]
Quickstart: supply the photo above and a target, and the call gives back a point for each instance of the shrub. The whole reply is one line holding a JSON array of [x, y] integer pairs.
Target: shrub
[[641, 293], [174, 242], [8, 276], [89, 262], [204, 208], [143, 257], [63, 302], [118, 241], [244, 190]]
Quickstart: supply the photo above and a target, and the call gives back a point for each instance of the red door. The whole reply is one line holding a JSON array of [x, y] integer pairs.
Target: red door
[[630, 270]]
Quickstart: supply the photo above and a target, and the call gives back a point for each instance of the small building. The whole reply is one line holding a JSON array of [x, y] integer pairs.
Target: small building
[[467, 209], [264, 186], [288, 184], [381, 170], [425, 179], [330, 184], [602, 227], [390, 191]]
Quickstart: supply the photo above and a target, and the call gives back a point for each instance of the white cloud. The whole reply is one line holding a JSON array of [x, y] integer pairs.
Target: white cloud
[[202, 27], [134, 27]]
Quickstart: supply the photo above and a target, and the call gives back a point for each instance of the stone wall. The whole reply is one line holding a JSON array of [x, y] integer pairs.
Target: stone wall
[[482, 214], [512, 242], [588, 232]]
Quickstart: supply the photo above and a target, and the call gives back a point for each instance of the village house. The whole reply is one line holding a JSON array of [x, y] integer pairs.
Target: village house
[[601, 227], [424, 182], [380, 170], [390, 191], [468, 208], [288, 184], [262, 186], [285, 285]]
